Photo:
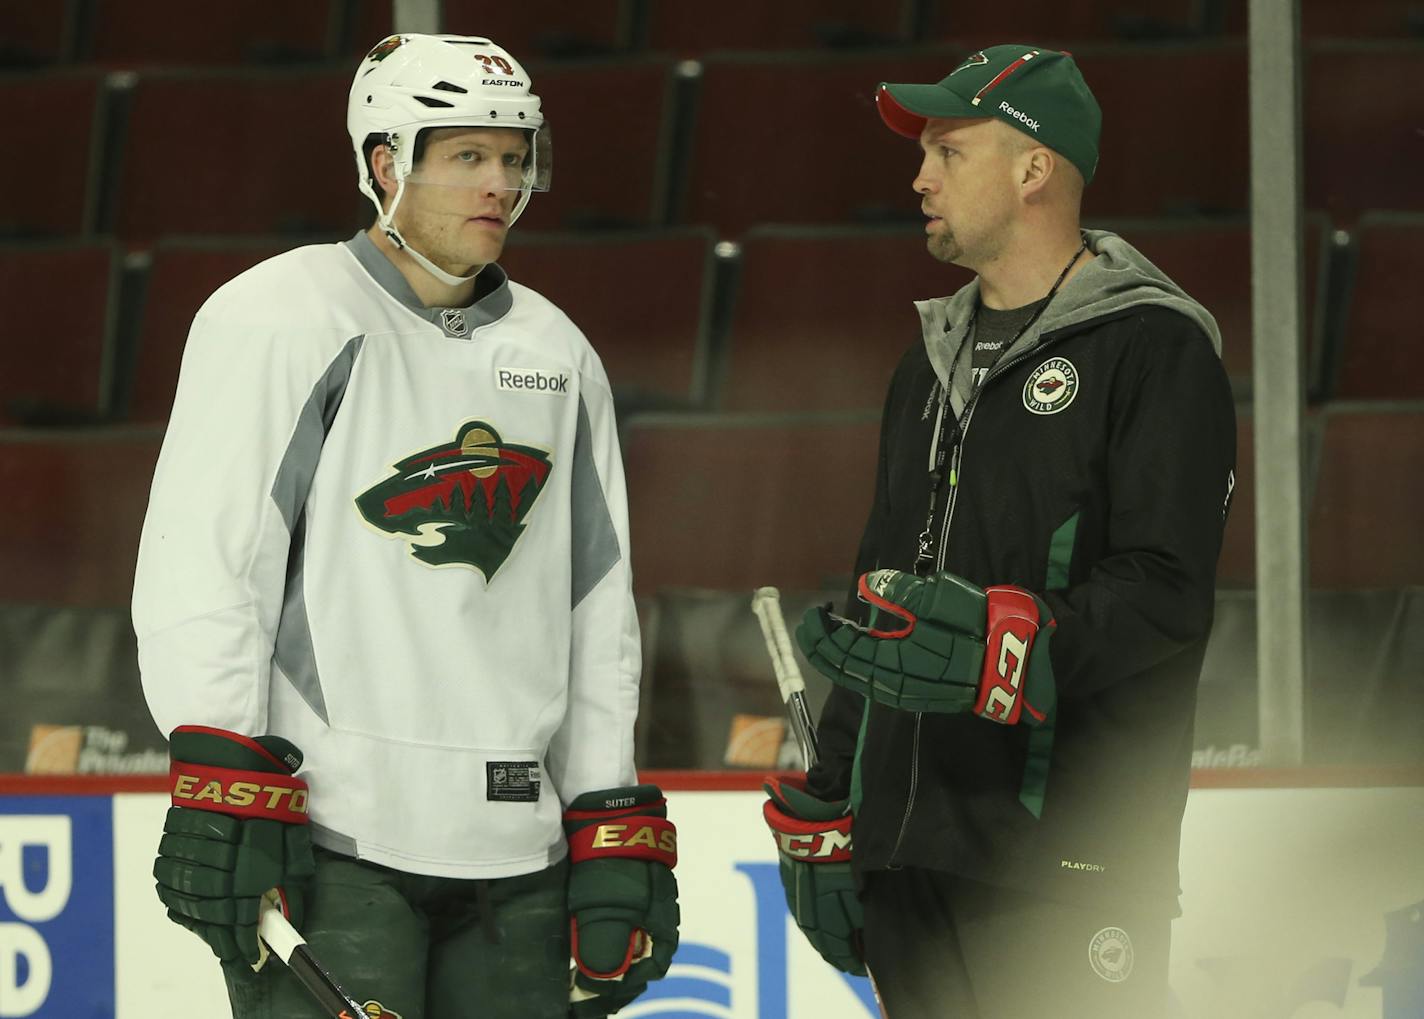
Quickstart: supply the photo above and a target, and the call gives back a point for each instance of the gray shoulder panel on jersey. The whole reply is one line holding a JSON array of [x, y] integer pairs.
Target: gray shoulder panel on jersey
[[493, 303], [595, 542], [293, 652]]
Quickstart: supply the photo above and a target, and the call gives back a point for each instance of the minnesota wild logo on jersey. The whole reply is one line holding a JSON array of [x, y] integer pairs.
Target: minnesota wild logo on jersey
[[460, 503]]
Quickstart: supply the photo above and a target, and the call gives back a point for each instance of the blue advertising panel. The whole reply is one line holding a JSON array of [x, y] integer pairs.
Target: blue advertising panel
[[56, 907]]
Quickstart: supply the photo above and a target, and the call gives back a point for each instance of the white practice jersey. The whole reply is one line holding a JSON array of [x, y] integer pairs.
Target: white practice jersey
[[397, 536]]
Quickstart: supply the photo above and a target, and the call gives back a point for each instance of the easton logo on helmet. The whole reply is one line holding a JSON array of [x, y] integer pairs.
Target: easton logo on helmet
[[461, 503]]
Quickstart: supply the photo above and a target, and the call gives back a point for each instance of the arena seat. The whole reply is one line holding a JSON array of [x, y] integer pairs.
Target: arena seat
[[822, 316], [736, 502], [127, 34], [261, 153], [1153, 100], [55, 364], [610, 169], [57, 198], [589, 27], [1211, 261], [1174, 138], [1361, 141], [73, 510], [182, 274], [642, 299], [1359, 19], [794, 138], [1364, 521], [32, 35], [1379, 349], [751, 25], [1057, 24]]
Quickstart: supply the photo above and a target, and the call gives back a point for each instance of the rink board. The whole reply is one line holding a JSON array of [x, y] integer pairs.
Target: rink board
[[1285, 903]]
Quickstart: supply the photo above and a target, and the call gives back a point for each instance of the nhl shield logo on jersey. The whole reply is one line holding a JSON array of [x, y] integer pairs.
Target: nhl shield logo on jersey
[[461, 503], [1051, 387], [1110, 954]]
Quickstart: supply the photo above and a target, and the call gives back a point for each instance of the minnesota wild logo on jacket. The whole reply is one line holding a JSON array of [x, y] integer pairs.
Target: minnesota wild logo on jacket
[[461, 502]]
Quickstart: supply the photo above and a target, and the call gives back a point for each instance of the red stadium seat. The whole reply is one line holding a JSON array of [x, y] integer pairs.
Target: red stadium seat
[[1358, 19], [1174, 136], [1362, 139], [796, 139], [531, 33], [1057, 24], [181, 276], [610, 168], [72, 513], [1364, 524], [689, 29], [1179, 110], [822, 316], [1212, 262], [654, 352], [60, 110], [33, 34], [54, 366], [170, 33], [1380, 357], [255, 153], [738, 502]]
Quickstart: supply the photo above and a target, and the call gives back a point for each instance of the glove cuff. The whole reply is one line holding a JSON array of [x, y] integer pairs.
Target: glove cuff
[[1012, 626], [239, 793], [809, 841]]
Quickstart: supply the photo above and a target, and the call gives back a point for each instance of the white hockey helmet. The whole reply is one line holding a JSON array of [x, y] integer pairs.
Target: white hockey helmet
[[411, 82]]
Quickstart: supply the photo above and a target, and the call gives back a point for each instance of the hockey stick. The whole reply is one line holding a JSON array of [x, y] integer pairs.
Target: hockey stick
[[289, 946], [766, 603]]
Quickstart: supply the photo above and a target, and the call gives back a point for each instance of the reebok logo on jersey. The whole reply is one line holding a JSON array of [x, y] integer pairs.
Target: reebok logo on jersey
[[461, 503], [531, 380]]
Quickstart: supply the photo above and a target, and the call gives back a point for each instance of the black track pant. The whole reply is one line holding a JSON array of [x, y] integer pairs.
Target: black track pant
[[941, 947]]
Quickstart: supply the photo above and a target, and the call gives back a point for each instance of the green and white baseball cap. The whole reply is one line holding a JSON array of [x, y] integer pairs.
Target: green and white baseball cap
[[1037, 90]]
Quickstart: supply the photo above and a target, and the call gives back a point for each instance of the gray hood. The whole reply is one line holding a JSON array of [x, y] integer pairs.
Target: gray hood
[[1118, 277]]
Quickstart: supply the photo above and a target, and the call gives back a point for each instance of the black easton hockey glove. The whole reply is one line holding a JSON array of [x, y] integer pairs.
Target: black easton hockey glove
[[237, 830]]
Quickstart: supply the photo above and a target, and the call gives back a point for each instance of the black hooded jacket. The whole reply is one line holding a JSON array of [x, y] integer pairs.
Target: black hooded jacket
[[1095, 468]]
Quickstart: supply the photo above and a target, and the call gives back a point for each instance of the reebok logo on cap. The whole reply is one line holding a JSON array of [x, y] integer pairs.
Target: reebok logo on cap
[[1023, 118]]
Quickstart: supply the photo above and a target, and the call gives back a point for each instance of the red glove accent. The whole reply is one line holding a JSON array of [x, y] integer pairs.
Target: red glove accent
[[640, 837], [1009, 630], [239, 793]]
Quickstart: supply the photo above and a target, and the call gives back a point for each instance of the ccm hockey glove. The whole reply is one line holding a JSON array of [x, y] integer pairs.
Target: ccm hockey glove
[[940, 644], [622, 896], [813, 841], [237, 830]]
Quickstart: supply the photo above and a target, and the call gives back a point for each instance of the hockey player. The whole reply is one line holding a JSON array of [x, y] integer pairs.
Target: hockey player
[[1005, 758], [387, 545]]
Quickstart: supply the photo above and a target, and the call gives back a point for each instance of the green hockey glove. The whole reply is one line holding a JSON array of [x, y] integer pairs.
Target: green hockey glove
[[623, 911], [940, 644], [236, 831], [813, 841]]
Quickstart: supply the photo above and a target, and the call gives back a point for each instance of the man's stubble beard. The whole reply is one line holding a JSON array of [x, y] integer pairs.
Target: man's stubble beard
[[943, 247]]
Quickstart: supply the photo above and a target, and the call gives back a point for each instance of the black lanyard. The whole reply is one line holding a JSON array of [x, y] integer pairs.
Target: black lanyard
[[950, 434]]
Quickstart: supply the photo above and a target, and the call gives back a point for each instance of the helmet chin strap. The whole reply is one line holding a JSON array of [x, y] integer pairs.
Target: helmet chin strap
[[388, 224]]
